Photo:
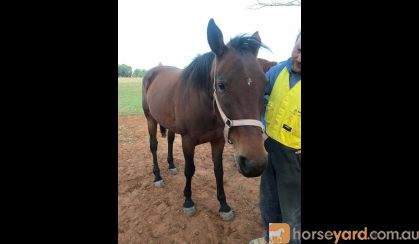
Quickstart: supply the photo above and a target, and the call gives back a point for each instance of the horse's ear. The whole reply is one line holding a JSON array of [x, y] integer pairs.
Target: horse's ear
[[256, 37], [215, 38]]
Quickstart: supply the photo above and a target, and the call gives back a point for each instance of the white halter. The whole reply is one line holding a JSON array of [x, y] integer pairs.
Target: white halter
[[228, 122]]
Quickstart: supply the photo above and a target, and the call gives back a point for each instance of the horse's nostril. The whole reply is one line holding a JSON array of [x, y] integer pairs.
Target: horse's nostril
[[248, 167], [242, 163]]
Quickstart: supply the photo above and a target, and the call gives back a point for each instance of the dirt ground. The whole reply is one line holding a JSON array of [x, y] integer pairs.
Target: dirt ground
[[147, 214]]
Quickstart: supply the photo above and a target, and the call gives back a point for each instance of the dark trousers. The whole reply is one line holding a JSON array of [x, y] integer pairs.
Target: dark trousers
[[280, 188]]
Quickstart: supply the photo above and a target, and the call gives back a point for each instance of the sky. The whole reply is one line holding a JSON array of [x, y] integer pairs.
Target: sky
[[173, 32]]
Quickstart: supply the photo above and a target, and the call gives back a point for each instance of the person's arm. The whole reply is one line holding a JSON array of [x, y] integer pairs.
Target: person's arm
[[272, 74], [271, 80], [268, 90]]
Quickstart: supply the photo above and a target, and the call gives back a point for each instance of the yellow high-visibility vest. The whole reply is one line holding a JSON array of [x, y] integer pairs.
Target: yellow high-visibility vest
[[283, 112]]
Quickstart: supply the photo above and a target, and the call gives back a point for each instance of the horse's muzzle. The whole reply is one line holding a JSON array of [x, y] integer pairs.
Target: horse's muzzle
[[251, 168]]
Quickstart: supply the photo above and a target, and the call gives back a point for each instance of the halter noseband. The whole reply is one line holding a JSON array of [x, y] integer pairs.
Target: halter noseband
[[228, 122]]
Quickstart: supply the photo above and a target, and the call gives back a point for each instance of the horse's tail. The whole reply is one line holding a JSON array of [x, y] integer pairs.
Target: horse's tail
[[163, 131]]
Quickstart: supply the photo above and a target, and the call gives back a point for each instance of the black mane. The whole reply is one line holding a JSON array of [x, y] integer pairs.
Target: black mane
[[246, 43], [197, 74]]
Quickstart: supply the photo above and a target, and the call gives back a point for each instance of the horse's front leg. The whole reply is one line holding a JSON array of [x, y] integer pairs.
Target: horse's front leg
[[188, 152], [217, 149]]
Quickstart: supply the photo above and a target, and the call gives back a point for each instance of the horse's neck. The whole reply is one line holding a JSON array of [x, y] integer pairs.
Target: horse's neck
[[196, 98], [197, 105]]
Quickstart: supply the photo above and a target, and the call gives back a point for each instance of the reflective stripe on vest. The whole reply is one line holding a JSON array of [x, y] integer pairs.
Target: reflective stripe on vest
[[283, 112]]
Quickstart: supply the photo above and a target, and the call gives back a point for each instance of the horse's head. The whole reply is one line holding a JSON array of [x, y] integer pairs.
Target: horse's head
[[239, 84]]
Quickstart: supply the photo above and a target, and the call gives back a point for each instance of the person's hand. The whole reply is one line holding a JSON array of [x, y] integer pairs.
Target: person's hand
[[298, 153]]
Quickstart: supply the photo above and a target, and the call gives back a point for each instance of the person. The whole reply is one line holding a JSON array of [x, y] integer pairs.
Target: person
[[280, 183]]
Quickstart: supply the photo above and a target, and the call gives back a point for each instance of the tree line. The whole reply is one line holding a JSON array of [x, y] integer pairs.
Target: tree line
[[126, 71]]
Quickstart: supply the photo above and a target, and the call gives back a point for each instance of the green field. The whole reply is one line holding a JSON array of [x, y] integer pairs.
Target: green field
[[129, 96]]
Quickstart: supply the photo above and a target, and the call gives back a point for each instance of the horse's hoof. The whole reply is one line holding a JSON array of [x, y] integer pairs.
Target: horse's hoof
[[227, 216], [159, 183], [189, 211], [173, 171]]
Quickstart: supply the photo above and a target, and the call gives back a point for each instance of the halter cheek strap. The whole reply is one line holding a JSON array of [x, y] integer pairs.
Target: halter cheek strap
[[238, 122]]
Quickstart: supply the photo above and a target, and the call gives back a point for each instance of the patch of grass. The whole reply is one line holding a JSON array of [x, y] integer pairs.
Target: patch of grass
[[126, 139], [129, 96]]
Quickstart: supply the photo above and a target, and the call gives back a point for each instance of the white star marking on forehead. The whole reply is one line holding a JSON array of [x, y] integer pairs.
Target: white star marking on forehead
[[249, 81]]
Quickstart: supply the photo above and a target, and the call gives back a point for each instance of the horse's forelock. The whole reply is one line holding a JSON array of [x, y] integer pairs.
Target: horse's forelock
[[246, 43]]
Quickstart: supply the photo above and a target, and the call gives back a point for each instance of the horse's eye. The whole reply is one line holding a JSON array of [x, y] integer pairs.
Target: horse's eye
[[221, 86]]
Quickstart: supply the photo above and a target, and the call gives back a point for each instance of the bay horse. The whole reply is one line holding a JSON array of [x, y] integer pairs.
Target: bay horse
[[218, 97], [266, 64]]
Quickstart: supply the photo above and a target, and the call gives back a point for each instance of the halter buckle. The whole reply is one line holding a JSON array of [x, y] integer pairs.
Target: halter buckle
[[229, 123]]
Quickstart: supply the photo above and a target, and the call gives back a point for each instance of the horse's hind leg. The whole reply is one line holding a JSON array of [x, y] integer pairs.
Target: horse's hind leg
[[170, 139], [152, 131], [162, 131]]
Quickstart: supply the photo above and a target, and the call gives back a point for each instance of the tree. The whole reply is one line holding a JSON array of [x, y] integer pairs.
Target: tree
[[138, 73], [261, 4], [124, 70]]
